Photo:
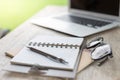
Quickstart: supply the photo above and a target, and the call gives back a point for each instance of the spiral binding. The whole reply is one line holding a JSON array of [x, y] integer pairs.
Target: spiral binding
[[61, 45]]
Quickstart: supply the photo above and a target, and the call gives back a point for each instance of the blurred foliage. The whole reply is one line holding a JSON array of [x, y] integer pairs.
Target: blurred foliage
[[15, 12]]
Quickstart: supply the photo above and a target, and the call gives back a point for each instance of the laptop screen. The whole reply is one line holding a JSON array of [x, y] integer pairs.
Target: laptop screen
[[110, 7]]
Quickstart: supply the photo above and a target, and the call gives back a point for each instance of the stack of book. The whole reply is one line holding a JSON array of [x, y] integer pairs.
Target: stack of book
[[57, 56]]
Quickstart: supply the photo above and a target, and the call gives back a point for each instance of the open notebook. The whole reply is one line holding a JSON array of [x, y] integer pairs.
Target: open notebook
[[66, 48]]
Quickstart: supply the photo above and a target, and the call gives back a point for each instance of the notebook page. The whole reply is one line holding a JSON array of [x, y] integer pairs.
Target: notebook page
[[27, 57]]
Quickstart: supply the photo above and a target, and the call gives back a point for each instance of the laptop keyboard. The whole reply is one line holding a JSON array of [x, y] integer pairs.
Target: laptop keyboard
[[84, 21]]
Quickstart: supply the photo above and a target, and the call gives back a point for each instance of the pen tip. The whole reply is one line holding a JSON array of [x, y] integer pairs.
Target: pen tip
[[65, 62]]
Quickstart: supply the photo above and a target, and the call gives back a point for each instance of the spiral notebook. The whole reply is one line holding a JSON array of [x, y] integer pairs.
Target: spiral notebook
[[67, 48]]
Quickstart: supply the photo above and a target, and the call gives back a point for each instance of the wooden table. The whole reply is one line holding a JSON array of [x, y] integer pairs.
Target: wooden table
[[23, 33]]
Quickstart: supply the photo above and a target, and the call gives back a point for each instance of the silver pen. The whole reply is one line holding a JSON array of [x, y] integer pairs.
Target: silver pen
[[49, 56]]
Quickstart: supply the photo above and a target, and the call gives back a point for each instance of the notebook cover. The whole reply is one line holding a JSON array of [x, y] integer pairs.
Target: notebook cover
[[49, 72], [84, 62]]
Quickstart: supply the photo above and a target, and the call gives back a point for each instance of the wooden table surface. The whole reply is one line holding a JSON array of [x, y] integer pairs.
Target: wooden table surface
[[23, 33]]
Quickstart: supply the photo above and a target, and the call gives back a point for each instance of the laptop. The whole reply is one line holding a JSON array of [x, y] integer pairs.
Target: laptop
[[84, 18]]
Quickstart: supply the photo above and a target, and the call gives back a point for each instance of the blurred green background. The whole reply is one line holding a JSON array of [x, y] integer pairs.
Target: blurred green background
[[15, 12]]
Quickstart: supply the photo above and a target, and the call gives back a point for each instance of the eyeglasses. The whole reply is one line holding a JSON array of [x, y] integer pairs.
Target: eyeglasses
[[100, 51]]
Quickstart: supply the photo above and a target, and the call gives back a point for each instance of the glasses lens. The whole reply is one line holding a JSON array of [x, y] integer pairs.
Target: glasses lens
[[94, 42]]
